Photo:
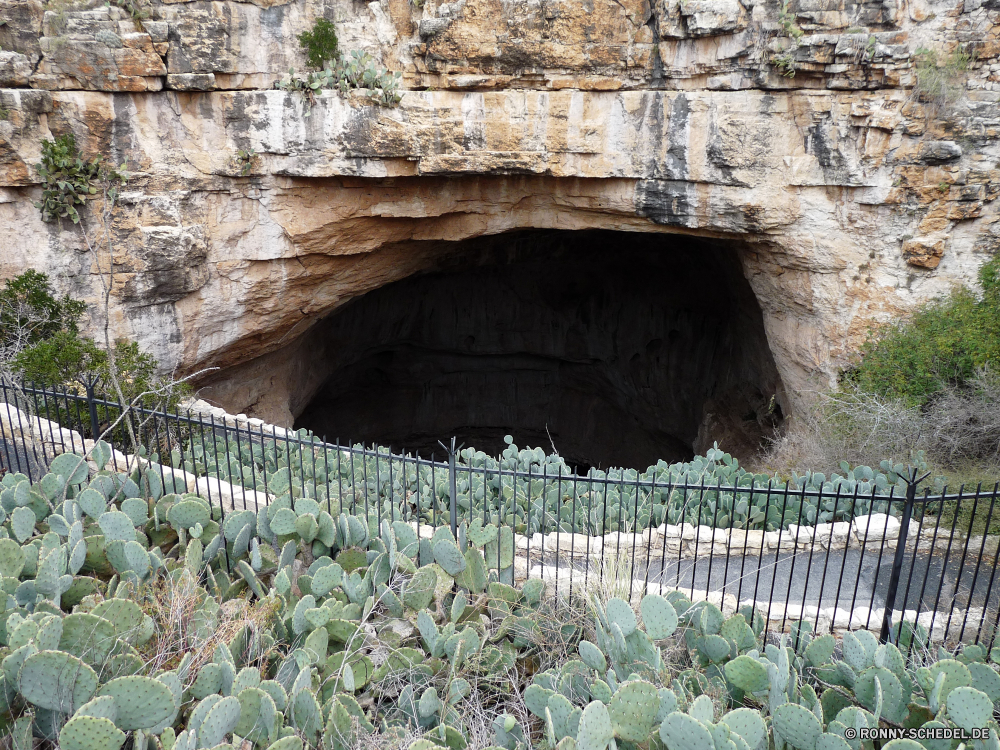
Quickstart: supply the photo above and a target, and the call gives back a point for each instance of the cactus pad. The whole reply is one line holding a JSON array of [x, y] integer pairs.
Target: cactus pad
[[90, 733], [220, 721], [798, 725], [955, 674], [828, 741], [748, 724], [715, 647], [533, 590], [22, 523], [124, 614], [103, 707], [593, 657], [449, 557], [71, 467], [820, 650], [536, 698], [894, 698], [11, 558], [595, 730], [88, 637], [257, 714], [619, 612], [701, 708], [420, 588], [967, 707], [92, 502], [633, 709], [327, 579], [57, 681], [142, 701], [985, 679], [116, 526], [682, 732], [658, 616], [286, 743], [188, 513], [747, 674]]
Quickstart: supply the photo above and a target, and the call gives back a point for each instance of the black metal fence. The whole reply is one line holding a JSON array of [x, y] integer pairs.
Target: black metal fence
[[861, 557]]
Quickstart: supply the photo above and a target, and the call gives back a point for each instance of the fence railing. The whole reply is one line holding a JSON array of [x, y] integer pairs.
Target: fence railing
[[839, 559]]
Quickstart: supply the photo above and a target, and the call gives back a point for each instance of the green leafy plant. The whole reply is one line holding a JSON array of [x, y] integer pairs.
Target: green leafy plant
[[320, 44], [786, 17], [30, 311], [785, 62], [944, 342], [358, 71], [68, 180], [246, 159]]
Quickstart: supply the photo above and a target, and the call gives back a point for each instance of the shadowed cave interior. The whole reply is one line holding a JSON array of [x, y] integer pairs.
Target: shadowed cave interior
[[617, 348]]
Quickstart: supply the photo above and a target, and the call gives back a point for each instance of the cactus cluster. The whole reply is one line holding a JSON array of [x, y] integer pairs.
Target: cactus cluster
[[496, 490], [368, 629]]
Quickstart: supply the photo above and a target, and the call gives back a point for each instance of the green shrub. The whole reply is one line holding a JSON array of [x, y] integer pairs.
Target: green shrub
[[30, 311], [66, 357], [39, 332], [320, 44], [943, 343], [67, 179]]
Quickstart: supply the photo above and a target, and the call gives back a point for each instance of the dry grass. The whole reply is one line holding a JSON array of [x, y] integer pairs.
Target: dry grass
[[173, 605], [611, 576], [959, 432]]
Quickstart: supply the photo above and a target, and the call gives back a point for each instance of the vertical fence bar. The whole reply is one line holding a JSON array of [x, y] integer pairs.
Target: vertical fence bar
[[453, 489], [95, 427], [989, 589], [913, 572], [897, 560], [826, 565], [965, 554], [651, 529], [777, 555], [979, 562], [881, 549], [12, 443], [795, 555]]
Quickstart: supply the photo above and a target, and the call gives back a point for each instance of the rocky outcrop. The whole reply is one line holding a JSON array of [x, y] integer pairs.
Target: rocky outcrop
[[852, 176]]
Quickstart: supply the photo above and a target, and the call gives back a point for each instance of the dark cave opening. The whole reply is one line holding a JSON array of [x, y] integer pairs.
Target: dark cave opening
[[616, 348]]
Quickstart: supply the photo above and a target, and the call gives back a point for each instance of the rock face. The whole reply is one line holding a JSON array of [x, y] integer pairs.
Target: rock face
[[852, 173]]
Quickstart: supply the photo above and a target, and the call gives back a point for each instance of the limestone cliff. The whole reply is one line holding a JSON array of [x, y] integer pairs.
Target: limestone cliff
[[852, 177]]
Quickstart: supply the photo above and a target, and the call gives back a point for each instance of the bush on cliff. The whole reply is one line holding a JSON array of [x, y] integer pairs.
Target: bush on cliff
[[943, 344], [40, 342]]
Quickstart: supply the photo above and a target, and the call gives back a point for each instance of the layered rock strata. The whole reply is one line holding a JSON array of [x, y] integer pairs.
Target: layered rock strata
[[846, 150]]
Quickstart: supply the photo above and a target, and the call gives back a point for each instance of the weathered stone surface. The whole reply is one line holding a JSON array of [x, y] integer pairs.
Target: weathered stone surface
[[925, 252], [845, 195], [15, 69], [22, 28], [98, 50], [939, 152]]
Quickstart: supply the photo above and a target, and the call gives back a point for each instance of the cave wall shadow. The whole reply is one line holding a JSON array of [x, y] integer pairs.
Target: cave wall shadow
[[617, 348]]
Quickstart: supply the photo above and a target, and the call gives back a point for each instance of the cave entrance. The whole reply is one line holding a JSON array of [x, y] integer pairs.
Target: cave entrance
[[617, 348]]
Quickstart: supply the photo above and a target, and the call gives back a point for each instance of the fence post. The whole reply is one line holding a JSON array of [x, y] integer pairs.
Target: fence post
[[453, 489], [95, 429], [897, 561]]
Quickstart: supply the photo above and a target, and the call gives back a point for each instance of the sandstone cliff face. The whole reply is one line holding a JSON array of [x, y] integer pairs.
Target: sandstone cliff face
[[849, 195]]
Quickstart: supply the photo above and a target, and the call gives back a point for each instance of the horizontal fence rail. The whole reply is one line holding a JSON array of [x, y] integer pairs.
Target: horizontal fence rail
[[904, 563]]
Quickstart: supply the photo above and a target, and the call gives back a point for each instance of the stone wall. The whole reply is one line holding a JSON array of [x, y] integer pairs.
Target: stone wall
[[851, 195]]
